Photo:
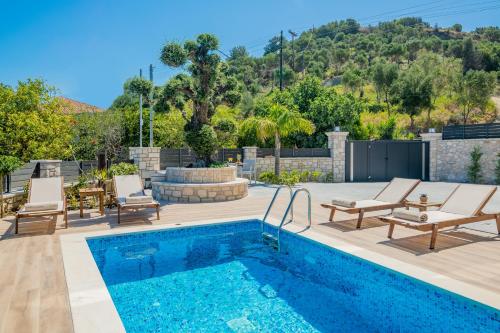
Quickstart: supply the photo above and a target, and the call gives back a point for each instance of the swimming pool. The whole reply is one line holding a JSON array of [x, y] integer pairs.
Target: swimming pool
[[222, 278]]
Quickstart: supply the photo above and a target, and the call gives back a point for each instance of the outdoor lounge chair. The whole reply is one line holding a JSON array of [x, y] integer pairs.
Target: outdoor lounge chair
[[129, 194], [249, 170], [45, 198], [463, 206], [392, 196]]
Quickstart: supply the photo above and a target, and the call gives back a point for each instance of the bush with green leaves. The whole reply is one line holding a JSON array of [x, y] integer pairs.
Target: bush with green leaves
[[474, 170], [203, 143], [315, 176], [8, 164], [123, 168], [329, 177], [268, 177]]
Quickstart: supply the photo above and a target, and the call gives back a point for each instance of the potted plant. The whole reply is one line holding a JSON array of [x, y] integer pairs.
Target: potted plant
[[8, 164]]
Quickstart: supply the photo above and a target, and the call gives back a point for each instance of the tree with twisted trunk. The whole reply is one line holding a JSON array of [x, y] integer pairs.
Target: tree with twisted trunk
[[207, 86]]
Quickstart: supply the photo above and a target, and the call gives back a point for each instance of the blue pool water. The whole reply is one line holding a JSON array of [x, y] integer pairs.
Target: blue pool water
[[221, 278]]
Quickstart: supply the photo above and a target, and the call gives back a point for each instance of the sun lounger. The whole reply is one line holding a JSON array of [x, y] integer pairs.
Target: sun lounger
[[463, 206], [129, 194], [392, 196], [45, 198]]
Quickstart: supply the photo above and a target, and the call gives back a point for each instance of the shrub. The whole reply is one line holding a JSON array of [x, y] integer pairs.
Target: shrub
[[285, 178], [315, 176], [329, 177], [289, 179], [122, 168], [268, 177], [203, 142], [474, 170], [218, 165], [304, 176], [387, 129]]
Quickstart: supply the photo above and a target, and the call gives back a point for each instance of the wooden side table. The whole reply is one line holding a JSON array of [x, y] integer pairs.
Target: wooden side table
[[422, 206], [87, 192]]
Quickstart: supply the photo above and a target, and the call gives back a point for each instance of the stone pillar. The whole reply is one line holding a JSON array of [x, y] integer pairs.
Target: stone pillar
[[434, 140], [147, 159], [336, 143], [249, 153], [49, 168]]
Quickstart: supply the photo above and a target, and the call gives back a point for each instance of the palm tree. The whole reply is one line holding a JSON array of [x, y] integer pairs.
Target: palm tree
[[279, 122]]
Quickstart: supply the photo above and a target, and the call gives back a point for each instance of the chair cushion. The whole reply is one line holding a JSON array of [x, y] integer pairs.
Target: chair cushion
[[410, 215], [142, 199], [344, 202], [41, 206]]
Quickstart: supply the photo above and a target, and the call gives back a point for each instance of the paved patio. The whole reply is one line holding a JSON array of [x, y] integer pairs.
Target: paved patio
[[33, 293]]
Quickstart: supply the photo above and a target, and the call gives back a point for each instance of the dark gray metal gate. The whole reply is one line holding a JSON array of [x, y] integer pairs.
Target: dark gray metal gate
[[385, 159]]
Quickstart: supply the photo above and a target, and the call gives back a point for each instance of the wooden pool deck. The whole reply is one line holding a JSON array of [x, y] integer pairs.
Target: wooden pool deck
[[33, 292]]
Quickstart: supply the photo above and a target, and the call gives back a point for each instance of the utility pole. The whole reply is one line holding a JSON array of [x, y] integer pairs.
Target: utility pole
[[140, 113], [281, 60], [151, 111], [293, 34]]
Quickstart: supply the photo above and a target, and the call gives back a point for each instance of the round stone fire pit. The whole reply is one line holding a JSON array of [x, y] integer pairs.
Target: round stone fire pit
[[200, 185]]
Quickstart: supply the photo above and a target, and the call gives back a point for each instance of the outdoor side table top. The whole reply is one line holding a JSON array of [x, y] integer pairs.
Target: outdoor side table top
[[86, 192], [422, 206]]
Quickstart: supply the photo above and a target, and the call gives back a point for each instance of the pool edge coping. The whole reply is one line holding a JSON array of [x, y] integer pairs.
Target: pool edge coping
[[93, 310]]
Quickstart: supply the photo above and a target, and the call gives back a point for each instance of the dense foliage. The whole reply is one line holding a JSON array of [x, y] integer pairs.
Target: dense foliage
[[32, 125]]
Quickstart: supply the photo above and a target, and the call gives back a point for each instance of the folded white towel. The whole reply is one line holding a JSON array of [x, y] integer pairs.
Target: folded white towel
[[410, 215], [344, 203], [139, 199], [41, 206]]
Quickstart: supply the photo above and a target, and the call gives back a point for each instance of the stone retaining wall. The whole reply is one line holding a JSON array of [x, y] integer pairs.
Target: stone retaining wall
[[193, 193], [453, 159], [320, 164], [201, 175]]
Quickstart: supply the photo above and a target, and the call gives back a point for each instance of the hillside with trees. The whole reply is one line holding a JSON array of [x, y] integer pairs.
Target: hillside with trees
[[393, 80]]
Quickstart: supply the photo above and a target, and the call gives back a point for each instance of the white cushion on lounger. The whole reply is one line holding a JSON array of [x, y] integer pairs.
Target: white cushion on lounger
[[41, 206], [136, 199], [344, 202], [370, 203], [433, 216], [410, 215]]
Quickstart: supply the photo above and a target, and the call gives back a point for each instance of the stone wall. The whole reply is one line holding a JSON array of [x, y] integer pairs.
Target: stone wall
[[337, 142], [201, 175], [194, 193], [321, 164], [147, 159], [453, 158]]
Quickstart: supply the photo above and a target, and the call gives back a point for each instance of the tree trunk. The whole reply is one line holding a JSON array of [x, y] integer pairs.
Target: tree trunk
[[277, 154], [388, 104], [428, 118]]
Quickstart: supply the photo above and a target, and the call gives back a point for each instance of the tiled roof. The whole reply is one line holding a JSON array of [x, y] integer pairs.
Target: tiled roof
[[71, 106]]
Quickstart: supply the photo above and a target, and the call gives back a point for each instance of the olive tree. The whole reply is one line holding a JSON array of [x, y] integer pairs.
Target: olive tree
[[207, 86], [474, 90]]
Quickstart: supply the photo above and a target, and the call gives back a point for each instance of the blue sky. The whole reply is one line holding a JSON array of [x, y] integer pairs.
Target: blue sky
[[88, 48]]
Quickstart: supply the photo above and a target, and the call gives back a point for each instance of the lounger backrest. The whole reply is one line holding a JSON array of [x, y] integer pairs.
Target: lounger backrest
[[468, 199], [46, 189], [127, 185], [397, 190]]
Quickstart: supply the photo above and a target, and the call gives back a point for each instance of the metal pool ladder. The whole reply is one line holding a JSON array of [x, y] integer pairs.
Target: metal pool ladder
[[272, 240]]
